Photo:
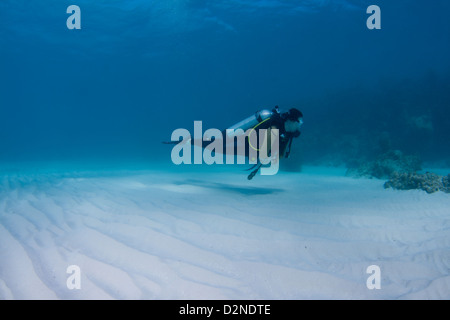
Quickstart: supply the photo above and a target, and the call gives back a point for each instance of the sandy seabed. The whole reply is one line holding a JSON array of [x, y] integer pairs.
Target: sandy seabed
[[205, 234]]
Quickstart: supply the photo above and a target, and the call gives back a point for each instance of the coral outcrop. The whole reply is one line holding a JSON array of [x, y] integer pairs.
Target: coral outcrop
[[429, 182], [386, 164], [446, 184]]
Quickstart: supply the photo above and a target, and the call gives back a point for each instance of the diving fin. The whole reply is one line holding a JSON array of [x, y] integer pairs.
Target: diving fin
[[254, 172]]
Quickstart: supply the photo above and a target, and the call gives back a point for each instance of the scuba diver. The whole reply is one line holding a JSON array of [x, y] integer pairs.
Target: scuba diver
[[287, 123]]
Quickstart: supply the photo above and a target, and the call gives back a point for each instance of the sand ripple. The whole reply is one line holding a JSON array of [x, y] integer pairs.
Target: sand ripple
[[160, 235]]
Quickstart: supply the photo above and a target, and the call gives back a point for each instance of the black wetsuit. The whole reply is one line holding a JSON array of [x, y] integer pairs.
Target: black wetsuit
[[275, 121]]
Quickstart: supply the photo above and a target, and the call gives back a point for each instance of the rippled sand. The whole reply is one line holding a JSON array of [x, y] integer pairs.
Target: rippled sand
[[215, 235]]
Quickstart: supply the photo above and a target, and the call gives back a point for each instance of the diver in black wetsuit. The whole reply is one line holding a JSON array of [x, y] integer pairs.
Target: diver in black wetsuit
[[288, 123]]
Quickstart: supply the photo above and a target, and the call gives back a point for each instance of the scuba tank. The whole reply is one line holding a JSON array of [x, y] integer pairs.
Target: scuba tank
[[250, 122]]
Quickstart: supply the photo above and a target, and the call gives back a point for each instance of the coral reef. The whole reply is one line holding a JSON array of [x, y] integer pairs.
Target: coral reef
[[446, 184], [386, 164], [429, 182]]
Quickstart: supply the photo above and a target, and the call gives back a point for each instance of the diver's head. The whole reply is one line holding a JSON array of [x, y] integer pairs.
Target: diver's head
[[294, 120]]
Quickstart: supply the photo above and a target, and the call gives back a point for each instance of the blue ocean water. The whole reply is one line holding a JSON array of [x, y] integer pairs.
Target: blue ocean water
[[137, 70], [75, 103]]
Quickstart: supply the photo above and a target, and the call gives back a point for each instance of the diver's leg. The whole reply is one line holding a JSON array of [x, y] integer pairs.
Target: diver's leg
[[254, 172]]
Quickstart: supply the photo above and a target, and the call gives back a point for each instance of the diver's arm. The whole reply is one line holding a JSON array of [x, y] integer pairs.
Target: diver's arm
[[288, 144], [288, 149], [284, 142]]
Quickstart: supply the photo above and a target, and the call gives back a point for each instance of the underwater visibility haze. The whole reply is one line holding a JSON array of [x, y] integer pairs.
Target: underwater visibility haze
[[138, 70], [86, 180]]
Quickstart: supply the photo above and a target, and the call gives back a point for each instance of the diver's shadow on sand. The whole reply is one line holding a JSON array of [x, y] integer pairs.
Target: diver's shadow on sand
[[229, 187]]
